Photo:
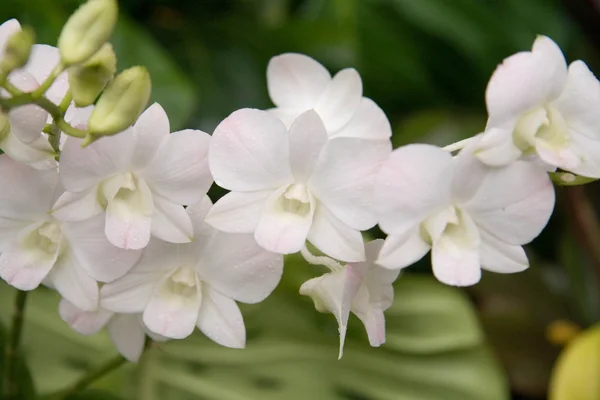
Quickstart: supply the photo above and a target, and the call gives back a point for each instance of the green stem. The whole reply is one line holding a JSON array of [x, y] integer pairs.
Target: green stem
[[12, 346], [40, 91]]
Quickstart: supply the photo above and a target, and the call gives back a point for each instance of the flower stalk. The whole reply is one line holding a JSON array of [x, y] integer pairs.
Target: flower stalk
[[11, 353]]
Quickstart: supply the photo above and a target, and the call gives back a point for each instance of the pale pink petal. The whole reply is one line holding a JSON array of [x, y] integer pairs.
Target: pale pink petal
[[249, 151], [340, 100], [374, 322], [83, 322], [9, 230], [514, 203], [38, 155], [170, 222], [368, 122], [221, 320], [345, 177], [96, 255], [26, 193], [401, 251], [412, 184], [77, 206], [334, 238], [128, 336], [7, 29], [281, 230], [501, 257], [26, 122], [198, 213], [42, 60], [287, 115], [238, 212], [296, 81], [307, 139], [171, 313], [248, 274], [180, 172], [74, 284], [149, 132], [129, 294], [524, 81]]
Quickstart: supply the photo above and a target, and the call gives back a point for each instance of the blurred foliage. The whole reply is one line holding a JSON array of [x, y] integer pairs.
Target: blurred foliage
[[426, 63]]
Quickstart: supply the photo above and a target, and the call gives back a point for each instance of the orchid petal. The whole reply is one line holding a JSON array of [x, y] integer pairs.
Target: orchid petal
[[307, 139], [149, 132], [340, 99], [77, 206], [238, 212], [221, 320], [501, 257], [127, 335], [83, 322], [170, 222], [401, 251], [368, 122], [73, 283]]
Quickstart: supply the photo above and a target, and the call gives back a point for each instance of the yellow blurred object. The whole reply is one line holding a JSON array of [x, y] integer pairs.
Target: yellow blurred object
[[577, 370], [561, 332]]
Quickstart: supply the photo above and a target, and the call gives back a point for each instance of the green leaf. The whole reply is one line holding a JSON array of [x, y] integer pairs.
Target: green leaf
[[92, 394]]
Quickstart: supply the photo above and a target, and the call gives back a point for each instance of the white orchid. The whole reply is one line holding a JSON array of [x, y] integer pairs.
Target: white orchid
[[364, 288], [298, 83], [36, 247], [180, 286], [25, 141], [142, 177], [290, 187], [127, 331], [472, 216], [539, 107]]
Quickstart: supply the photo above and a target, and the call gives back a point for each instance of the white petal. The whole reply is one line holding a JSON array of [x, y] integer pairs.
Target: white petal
[[368, 122], [198, 213], [78, 206], [83, 322], [496, 147], [345, 177], [287, 115], [100, 259], [249, 151], [525, 80], [26, 122], [42, 60], [334, 238], [149, 133], [9, 229], [588, 151], [455, 256], [127, 335], [81, 168], [296, 80], [564, 157], [579, 102], [38, 155], [26, 193], [501, 257], [7, 29], [282, 231], [412, 184], [400, 251], [513, 203], [170, 222], [78, 116], [129, 219], [374, 322], [23, 265], [238, 212], [340, 100], [129, 294], [73, 283], [170, 313], [248, 274], [334, 292], [221, 320], [180, 172], [307, 139]]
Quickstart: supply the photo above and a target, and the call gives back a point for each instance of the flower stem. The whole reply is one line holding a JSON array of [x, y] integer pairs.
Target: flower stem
[[458, 145], [12, 346], [320, 260]]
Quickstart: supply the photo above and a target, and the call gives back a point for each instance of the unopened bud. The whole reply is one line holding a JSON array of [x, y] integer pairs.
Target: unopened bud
[[569, 179], [17, 49], [121, 103], [87, 80], [4, 126], [87, 30]]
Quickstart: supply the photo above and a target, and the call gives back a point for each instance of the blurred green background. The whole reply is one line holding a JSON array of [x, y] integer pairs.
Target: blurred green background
[[426, 63]]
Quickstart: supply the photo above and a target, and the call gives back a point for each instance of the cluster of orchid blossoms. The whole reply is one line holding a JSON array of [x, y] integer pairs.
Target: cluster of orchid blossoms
[[111, 210]]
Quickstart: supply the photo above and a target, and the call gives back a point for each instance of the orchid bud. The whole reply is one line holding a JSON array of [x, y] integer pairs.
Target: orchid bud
[[121, 103], [4, 126], [17, 49], [87, 80], [87, 30]]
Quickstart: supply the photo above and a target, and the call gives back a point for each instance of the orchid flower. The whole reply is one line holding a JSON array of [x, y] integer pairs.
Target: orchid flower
[[470, 215], [141, 177], [179, 286], [298, 83], [289, 187]]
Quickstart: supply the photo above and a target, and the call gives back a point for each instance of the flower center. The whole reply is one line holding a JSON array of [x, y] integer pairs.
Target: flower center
[[296, 199], [45, 239], [451, 222], [182, 282], [544, 123]]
